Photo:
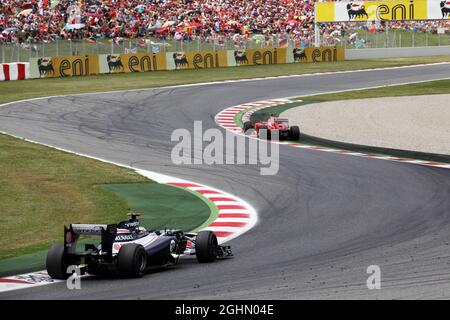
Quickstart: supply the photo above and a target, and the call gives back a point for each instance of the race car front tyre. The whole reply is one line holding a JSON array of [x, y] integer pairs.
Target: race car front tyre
[[261, 130], [206, 246], [132, 260], [295, 133], [55, 263]]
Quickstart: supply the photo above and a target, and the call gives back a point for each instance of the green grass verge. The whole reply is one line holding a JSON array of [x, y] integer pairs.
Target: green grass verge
[[425, 88], [18, 90], [41, 189], [184, 211], [163, 206]]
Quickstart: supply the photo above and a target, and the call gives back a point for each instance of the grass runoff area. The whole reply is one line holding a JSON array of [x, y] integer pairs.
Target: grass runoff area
[[423, 88], [18, 90], [42, 189]]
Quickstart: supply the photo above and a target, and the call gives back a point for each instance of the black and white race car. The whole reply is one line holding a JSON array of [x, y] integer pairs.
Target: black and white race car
[[129, 250]]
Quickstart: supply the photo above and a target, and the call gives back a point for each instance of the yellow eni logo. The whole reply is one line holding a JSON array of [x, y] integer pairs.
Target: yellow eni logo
[[392, 11], [206, 60], [265, 57], [372, 10], [76, 66], [142, 63], [325, 55], [199, 60], [260, 56]]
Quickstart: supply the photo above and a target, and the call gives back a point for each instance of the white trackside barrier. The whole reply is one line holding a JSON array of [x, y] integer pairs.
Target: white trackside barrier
[[14, 71]]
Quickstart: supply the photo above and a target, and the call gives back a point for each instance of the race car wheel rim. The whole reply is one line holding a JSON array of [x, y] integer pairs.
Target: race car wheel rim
[[141, 262]]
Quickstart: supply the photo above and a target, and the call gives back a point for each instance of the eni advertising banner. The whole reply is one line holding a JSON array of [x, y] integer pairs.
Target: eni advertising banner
[[249, 57], [382, 10], [64, 66], [196, 60], [137, 62], [315, 55]]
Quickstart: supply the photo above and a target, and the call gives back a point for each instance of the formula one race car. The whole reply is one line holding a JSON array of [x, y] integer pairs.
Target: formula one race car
[[265, 129], [127, 249]]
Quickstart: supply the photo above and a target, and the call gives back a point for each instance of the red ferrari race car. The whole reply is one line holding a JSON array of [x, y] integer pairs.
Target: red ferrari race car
[[281, 125]]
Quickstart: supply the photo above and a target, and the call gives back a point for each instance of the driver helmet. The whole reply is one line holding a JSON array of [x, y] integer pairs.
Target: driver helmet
[[272, 118]]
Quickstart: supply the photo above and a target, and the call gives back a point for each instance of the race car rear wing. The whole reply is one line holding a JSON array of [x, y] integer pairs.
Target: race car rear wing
[[107, 232]]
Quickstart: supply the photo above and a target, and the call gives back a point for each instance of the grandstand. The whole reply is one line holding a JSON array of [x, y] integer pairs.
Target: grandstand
[[40, 28]]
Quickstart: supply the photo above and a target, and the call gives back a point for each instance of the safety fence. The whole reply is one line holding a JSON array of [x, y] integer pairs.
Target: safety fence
[[350, 35], [13, 52], [363, 35]]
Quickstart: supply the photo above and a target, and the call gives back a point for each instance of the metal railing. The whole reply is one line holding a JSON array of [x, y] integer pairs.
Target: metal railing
[[24, 51], [351, 38], [360, 35]]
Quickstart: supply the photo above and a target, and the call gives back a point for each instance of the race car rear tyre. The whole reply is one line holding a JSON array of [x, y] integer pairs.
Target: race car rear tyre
[[247, 126], [262, 128], [206, 246], [295, 133], [55, 263], [132, 260]]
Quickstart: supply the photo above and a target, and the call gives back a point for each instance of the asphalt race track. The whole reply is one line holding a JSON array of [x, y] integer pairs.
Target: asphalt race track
[[322, 220]]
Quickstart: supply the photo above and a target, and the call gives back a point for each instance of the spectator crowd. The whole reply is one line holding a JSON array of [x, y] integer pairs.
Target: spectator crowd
[[207, 20]]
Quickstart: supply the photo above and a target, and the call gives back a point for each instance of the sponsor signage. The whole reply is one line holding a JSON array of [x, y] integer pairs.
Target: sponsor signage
[[257, 57], [382, 10], [132, 62], [50, 67], [196, 60], [319, 54], [64, 66]]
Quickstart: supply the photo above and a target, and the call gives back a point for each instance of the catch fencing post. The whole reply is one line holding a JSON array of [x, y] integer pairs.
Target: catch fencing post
[[316, 28], [366, 37], [387, 34]]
